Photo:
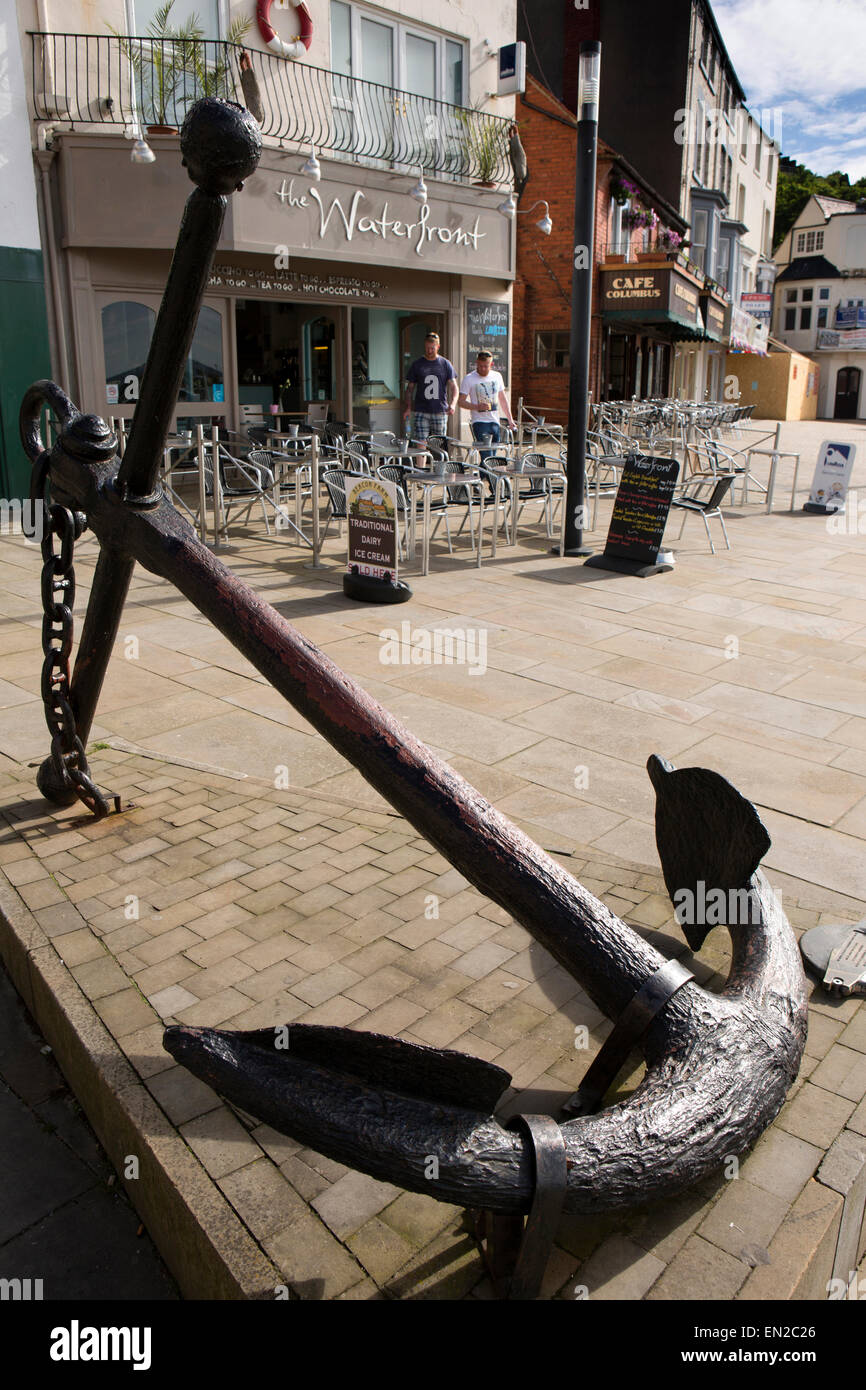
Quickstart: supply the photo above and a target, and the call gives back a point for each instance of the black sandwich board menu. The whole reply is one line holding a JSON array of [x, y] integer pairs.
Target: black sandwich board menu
[[640, 513], [487, 329]]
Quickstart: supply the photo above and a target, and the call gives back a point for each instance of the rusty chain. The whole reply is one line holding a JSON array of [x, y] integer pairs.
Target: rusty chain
[[68, 757]]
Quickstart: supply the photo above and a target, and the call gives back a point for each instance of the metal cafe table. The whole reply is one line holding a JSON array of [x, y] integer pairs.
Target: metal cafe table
[[390, 453], [531, 474], [427, 479]]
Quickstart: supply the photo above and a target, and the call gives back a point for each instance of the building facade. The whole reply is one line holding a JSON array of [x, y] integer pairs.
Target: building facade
[[644, 294], [324, 286], [820, 300], [672, 107]]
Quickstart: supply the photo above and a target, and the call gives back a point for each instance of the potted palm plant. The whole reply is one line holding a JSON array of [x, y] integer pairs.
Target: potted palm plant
[[484, 146], [172, 68]]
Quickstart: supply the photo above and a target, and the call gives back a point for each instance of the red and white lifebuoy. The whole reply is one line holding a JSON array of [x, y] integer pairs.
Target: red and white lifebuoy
[[299, 45]]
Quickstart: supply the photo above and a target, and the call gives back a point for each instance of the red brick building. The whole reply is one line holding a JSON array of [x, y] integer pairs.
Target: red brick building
[[632, 349]]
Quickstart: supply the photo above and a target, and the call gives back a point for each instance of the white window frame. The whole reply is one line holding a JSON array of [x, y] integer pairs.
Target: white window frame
[[400, 30]]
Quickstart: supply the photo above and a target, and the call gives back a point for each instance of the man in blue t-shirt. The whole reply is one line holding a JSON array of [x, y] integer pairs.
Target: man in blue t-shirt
[[431, 391]]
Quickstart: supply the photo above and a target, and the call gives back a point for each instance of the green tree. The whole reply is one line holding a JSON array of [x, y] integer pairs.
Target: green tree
[[796, 186]]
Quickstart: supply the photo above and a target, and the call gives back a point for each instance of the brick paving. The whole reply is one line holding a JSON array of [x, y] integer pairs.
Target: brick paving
[[151, 938], [222, 900]]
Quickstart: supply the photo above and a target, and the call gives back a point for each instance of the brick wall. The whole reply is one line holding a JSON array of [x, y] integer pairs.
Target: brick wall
[[542, 292]]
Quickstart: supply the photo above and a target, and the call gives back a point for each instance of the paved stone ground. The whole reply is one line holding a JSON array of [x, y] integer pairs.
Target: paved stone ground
[[258, 906], [64, 1220]]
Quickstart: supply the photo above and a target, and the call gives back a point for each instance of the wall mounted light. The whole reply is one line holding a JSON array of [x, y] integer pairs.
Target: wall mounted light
[[311, 168], [509, 209], [141, 151], [419, 192]]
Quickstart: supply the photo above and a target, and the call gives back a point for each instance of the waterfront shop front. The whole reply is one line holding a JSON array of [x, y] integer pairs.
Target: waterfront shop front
[[320, 293]]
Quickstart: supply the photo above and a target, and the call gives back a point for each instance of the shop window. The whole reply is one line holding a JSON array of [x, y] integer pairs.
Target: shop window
[[790, 320], [127, 328], [822, 318], [552, 351], [203, 375], [805, 319]]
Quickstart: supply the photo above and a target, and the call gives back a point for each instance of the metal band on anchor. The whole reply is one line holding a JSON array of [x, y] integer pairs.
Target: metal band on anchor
[[632, 1023], [551, 1174]]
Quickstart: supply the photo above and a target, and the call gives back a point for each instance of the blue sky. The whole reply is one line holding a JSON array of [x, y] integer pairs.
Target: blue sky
[[805, 59]]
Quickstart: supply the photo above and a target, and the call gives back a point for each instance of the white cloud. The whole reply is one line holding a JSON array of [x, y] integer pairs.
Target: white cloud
[[812, 47], [805, 56]]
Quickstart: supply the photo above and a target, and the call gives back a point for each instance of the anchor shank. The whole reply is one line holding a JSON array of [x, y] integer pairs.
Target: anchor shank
[[609, 959], [172, 338]]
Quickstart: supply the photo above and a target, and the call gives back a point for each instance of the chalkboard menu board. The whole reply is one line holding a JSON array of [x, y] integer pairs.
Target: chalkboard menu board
[[640, 510], [487, 329]]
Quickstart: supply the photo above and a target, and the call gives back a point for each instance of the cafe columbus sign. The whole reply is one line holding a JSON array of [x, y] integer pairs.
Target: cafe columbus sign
[[657, 294], [346, 212]]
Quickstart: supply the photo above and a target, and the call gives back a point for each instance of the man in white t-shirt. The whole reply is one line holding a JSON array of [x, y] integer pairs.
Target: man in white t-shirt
[[483, 393]]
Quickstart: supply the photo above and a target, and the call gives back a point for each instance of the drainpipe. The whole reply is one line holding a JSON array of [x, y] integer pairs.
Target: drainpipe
[[43, 159]]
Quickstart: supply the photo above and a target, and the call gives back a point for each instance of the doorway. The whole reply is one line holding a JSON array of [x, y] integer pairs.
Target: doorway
[[413, 330], [288, 355], [847, 393]]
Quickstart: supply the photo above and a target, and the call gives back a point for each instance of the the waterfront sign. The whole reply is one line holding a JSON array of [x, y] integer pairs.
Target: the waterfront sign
[[344, 210]]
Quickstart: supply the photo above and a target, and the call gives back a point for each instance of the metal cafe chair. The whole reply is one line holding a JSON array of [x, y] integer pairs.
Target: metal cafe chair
[[458, 496], [245, 481], [709, 507], [335, 482], [438, 507], [539, 489], [355, 457], [300, 478]]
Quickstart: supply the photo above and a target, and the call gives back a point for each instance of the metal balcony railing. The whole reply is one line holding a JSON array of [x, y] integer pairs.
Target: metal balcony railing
[[106, 80]]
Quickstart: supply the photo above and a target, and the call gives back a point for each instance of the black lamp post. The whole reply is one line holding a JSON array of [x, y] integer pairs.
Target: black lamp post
[[581, 293]]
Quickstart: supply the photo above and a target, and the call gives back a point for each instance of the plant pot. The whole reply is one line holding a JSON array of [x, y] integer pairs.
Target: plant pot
[[614, 260], [162, 130], [650, 255]]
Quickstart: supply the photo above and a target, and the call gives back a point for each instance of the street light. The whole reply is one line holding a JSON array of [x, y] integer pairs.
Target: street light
[[581, 293]]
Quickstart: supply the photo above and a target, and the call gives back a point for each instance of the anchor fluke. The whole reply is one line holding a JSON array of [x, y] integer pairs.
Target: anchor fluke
[[709, 836]]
